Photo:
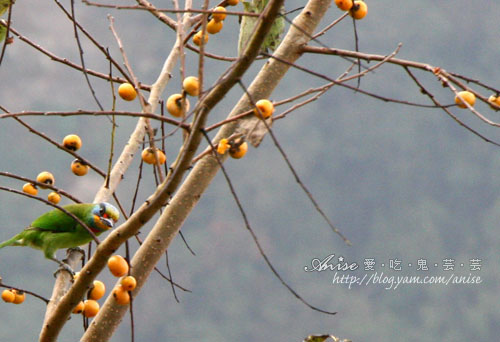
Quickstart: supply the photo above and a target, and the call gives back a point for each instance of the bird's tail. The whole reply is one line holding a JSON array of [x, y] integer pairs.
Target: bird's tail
[[12, 242]]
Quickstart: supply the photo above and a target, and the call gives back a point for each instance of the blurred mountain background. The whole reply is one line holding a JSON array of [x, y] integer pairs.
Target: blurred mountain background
[[401, 182]]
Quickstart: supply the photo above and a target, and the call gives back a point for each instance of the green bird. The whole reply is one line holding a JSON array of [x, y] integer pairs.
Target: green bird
[[56, 229]]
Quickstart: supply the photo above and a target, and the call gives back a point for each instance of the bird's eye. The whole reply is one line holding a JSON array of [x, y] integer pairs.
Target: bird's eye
[[102, 210]]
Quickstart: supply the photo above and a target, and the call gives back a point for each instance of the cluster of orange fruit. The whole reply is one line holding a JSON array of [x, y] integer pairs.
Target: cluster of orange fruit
[[119, 267], [357, 8], [13, 296], [71, 142], [238, 147], [215, 23]]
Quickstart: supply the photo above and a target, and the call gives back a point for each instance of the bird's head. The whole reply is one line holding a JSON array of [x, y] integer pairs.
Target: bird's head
[[104, 216]]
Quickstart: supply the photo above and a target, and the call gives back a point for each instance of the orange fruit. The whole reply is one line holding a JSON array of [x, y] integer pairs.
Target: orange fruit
[[214, 26], [127, 91], [174, 105], [237, 151], [72, 142], [121, 295], [467, 96], [197, 38], [344, 5], [90, 308], [219, 16], [359, 9], [54, 197], [19, 296], [45, 177], [148, 156], [128, 283], [8, 296], [97, 291], [79, 168], [266, 108], [191, 85], [118, 265], [78, 309], [30, 189]]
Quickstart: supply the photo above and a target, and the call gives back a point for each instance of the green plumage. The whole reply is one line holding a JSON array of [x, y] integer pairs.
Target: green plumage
[[56, 229]]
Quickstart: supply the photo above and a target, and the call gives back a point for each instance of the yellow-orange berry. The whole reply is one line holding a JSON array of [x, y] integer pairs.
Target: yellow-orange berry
[[214, 27], [54, 197], [78, 309], [127, 91], [72, 142], [223, 146], [79, 167], [232, 2], [45, 177], [238, 150], [30, 189], [359, 9], [19, 296], [97, 291], [467, 96], [8, 296], [191, 85], [128, 283], [266, 108], [174, 105], [344, 5], [197, 38], [117, 265], [90, 308], [121, 295], [219, 16], [493, 99], [148, 156]]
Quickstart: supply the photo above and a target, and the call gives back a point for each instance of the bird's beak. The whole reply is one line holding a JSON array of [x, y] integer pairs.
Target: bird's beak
[[107, 222], [103, 223]]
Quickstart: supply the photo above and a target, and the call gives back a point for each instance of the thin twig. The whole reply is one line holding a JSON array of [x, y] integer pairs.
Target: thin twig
[[252, 233]]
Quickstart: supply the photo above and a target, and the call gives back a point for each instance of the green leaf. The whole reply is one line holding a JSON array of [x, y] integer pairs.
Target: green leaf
[[3, 33], [4, 5]]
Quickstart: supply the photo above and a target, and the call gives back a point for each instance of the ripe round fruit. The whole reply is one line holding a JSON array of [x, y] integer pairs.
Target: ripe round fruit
[[121, 295], [191, 85], [30, 189], [8, 296], [214, 27], [495, 100], [127, 91], [90, 308], [219, 16], [54, 197], [239, 151], [467, 96], [97, 291], [232, 2], [266, 108], [359, 9], [19, 297], [223, 146], [78, 309], [45, 177], [197, 38], [174, 105], [79, 168], [148, 156], [117, 265], [72, 142], [344, 5], [128, 283]]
